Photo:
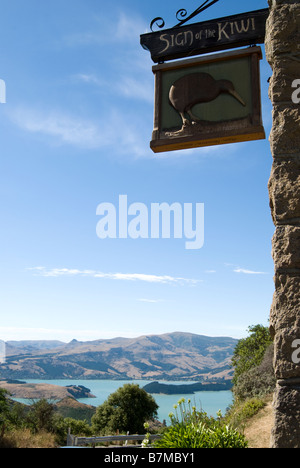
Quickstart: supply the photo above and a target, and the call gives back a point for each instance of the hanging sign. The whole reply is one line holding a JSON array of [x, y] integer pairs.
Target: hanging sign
[[209, 100], [205, 37]]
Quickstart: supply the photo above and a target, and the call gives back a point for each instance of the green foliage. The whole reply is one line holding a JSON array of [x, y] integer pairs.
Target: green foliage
[[40, 417], [242, 411], [77, 427], [256, 382], [254, 377], [17, 417], [250, 351], [125, 410], [4, 407], [194, 429], [251, 408], [3, 401], [82, 414]]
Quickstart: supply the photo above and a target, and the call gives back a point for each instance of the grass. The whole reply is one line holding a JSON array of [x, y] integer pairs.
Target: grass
[[23, 438], [253, 417]]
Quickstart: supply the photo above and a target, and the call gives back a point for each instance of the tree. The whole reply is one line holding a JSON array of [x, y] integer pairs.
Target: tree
[[250, 351], [125, 410], [41, 415], [4, 408]]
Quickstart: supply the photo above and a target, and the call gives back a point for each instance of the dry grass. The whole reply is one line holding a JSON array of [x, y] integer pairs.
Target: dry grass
[[258, 429], [23, 438]]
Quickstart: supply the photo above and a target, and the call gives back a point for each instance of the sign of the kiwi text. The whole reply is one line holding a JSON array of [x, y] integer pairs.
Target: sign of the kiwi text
[[211, 36]]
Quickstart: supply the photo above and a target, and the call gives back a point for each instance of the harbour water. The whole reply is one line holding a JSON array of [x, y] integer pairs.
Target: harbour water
[[210, 402]]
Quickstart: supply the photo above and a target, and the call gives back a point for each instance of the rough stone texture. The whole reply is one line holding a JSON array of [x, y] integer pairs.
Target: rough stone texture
[[283, 53], [285, 307], [287, 415], [284, 190], [284, 29], [285, 135], [286, 251]]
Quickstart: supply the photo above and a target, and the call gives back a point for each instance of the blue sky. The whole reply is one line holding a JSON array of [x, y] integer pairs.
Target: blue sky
[[75, 132]]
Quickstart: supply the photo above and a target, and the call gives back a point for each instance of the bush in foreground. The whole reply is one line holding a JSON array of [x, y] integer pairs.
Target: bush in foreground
[[194, 429], [201, 436]]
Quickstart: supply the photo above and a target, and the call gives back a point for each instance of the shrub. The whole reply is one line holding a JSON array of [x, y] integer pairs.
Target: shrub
[[77, 427], [251, 408], [4, 407], [250, 351], [242, 411], [200, 436], [40, 416], [258, 381], [194, 429]]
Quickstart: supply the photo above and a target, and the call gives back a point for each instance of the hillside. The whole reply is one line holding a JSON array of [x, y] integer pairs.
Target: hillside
[[172, 356], [18, 389], [71, 408], [172, 389]]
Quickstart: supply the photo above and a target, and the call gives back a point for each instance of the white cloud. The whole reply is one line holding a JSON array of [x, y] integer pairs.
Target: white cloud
[[150, 301], [128, 28], [248, 272], [136, 89], [90, 79], [119, 28], [162, 279], [244, 271], [61, 128], [126, 86]]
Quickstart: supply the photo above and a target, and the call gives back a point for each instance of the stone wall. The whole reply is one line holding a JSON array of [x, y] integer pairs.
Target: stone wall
[[283, 53]]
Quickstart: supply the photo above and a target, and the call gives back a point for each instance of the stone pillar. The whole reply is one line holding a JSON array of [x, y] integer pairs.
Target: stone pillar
[[283, 53]]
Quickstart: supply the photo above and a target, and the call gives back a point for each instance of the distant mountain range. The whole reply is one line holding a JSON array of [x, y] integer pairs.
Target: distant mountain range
[[172, 356]]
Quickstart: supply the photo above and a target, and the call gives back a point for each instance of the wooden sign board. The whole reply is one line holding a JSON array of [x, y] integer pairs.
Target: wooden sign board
[[210, 36], [207, 101]]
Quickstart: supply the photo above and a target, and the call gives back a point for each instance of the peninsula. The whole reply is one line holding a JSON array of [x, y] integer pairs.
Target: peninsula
[[34, 391]]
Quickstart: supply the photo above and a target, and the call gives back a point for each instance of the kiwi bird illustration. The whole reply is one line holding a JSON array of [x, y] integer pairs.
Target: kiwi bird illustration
[[198, 88]]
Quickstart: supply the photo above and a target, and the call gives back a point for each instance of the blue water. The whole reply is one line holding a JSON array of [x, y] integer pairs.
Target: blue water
[[210, 402]]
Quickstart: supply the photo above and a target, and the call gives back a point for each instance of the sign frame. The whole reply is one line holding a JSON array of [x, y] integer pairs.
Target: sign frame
[[216, 133]]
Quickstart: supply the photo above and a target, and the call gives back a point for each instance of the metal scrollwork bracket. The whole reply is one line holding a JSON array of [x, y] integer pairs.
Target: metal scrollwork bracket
[[182, 15]]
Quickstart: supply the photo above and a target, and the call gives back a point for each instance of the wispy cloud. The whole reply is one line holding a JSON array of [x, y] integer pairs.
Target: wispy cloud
[[162, 279], [249, 272], [63, 129], [132, 77], [244, 271], [150, 301], [119, 28], [90, 78], [126, 86]]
